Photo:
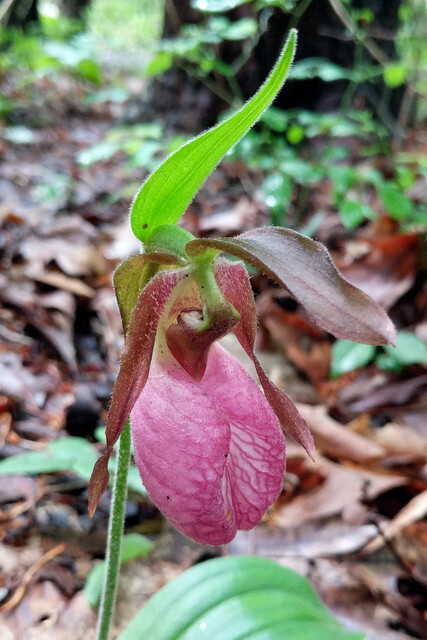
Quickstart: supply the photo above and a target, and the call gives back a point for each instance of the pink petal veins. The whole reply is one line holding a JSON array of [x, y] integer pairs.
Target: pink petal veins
[[210, 453]]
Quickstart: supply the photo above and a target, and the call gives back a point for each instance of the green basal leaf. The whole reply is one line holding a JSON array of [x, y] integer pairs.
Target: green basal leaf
[[347, 356], [166, 194], [134, 545], [235, 598], [65, 454], [409, 349]]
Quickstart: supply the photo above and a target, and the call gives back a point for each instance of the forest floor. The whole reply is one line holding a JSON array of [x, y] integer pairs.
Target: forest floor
[[354, 521]]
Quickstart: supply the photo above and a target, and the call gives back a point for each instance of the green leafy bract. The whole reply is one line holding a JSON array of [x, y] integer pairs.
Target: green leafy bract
[[132, 276], [234, 598], [165, 195]]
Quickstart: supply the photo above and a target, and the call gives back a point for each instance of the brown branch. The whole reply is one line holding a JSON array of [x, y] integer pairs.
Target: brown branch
[[375, 51]]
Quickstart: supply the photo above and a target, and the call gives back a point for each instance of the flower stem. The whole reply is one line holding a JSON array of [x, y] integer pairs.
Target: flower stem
[[114, 539]]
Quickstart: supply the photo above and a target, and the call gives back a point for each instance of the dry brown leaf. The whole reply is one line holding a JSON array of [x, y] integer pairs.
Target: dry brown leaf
[[237, 217], [353, 601], [393, 394], [401, 439], [415, 510], [332, 537], [301, 342], [20, 382], [388, 270], [336, 440], [341, 488], [61, 281], [57, 327], [20, 592]]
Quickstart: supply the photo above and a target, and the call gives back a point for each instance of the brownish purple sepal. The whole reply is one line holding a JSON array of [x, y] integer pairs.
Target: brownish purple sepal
[[131, 277], [304, 267]]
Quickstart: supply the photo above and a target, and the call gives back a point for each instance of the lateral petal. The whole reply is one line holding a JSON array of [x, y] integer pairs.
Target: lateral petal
[[134, 368], [233, 280], [210, 453]]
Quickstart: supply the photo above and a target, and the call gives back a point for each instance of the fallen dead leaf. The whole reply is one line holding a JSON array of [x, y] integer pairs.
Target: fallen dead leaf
[[239, 216], [336, 440], [26, 579], [61, 281], [388, 270], [415, 510], [342, 488], [400, 439], [331, 537], [20, 382], [394, 394], [301, 342]]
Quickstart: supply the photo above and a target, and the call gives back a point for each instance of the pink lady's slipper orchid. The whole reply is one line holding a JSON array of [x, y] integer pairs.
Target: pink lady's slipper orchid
[[207, 441]]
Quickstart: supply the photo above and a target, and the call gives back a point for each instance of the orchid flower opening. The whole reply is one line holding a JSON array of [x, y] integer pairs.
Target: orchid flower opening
[[208, 442]]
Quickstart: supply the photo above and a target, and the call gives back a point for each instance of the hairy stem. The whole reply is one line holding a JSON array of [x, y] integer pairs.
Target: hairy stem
[[114, 539]]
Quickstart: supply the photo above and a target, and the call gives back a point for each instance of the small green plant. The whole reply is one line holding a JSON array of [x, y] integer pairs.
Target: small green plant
[[37, 55], [194, 49], [65, 454], [57, 45], [281, 148], [347, 355], [143, 144]]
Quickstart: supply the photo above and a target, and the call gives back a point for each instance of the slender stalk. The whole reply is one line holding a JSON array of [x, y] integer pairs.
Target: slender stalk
[[114, 539]]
